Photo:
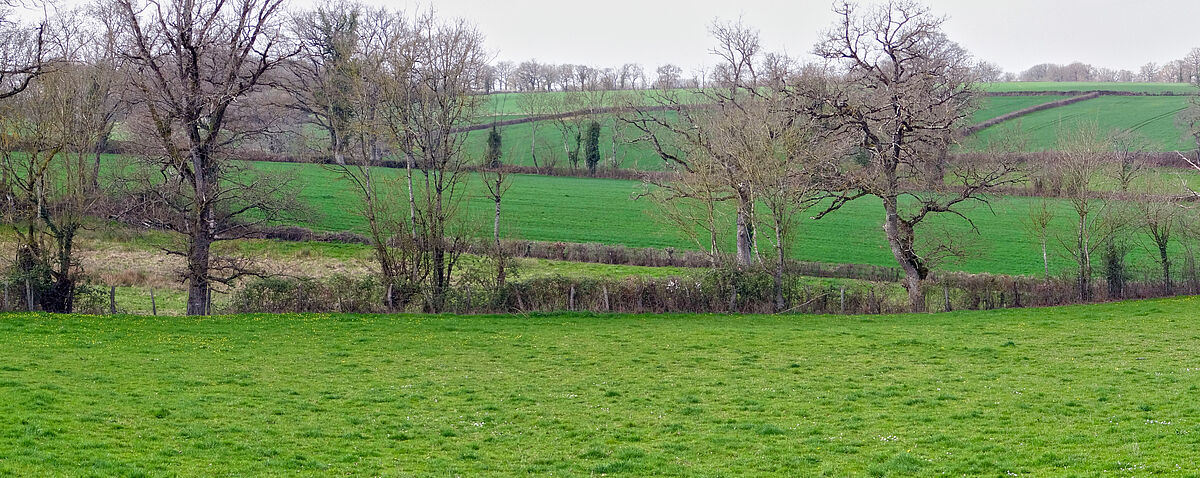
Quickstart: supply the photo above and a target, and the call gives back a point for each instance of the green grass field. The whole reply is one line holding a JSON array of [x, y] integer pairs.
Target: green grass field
[[993, 106], [603, 211], [1153, 117], [1089, 86], [639, 156], [549, 144], [1078, 391]]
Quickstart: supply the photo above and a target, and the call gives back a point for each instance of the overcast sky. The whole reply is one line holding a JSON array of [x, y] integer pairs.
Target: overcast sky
[[1015, 34]]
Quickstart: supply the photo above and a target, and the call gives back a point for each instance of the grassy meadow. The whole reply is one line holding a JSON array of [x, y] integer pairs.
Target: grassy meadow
[[570, 209], [1177, 88], [993, 106], [1152, 117], [1075, 391]]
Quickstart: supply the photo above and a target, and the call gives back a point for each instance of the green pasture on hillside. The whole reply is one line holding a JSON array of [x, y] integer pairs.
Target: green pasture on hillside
[[1089, 86], [1153, 117], [604, 211], [641, 156], [1077, 391], [993, 106], [517, 145]]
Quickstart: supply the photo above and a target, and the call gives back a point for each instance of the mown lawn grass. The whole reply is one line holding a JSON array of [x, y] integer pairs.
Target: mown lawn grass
[[1153, 117], [1077, 391]]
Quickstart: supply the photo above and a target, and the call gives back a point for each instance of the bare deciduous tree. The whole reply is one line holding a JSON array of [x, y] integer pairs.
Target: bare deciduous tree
[[1081, 155], [693, 142], [23, 52], [425, 104], [194, 60], [1129, 148], [47, 139], [905, 88], [1158, 219], [349, 54]]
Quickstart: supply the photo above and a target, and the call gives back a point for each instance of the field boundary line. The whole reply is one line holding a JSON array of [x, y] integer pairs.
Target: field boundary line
[[975, 128]]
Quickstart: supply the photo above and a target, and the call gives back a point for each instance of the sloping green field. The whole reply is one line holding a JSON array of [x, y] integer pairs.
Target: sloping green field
[[1090, 86], [603, 210], [993, 106], [1153, 117], [1078, 391], [516, 146]]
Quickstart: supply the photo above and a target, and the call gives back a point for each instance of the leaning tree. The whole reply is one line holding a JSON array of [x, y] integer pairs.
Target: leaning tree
[[901, 91]]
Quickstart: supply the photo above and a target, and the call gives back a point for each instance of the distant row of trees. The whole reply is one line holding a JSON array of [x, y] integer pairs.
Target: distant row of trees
[[508, 76], [1183, 70], [526, 76], [1096, 172]]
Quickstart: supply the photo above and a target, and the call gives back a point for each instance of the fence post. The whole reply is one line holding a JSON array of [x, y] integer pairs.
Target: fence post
[[605, 289], [112, 300], [390, 303], [153, 304], [842, 299], [28, 295], [946, 295], [571, 298]]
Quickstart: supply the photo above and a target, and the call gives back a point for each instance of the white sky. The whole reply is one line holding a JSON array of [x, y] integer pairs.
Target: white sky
[[1015, 34]]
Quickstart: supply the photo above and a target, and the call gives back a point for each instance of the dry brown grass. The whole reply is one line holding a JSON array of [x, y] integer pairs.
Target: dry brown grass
[[111, 261]]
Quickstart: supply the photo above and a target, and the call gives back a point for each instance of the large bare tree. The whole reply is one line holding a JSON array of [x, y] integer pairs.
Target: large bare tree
[[23, 50], [193, 60], [902, 90]]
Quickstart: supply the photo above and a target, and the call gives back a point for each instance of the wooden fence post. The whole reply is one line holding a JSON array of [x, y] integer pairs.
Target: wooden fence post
[[28, 295], [112, 300], [390, 303], [946, 295], [153, 304], [843, 299]]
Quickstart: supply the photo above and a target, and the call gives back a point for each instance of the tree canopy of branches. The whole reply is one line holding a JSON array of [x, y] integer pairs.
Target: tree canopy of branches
[[903, 90], [23, 52], [48, 135], [428, 93], [750, 144]]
